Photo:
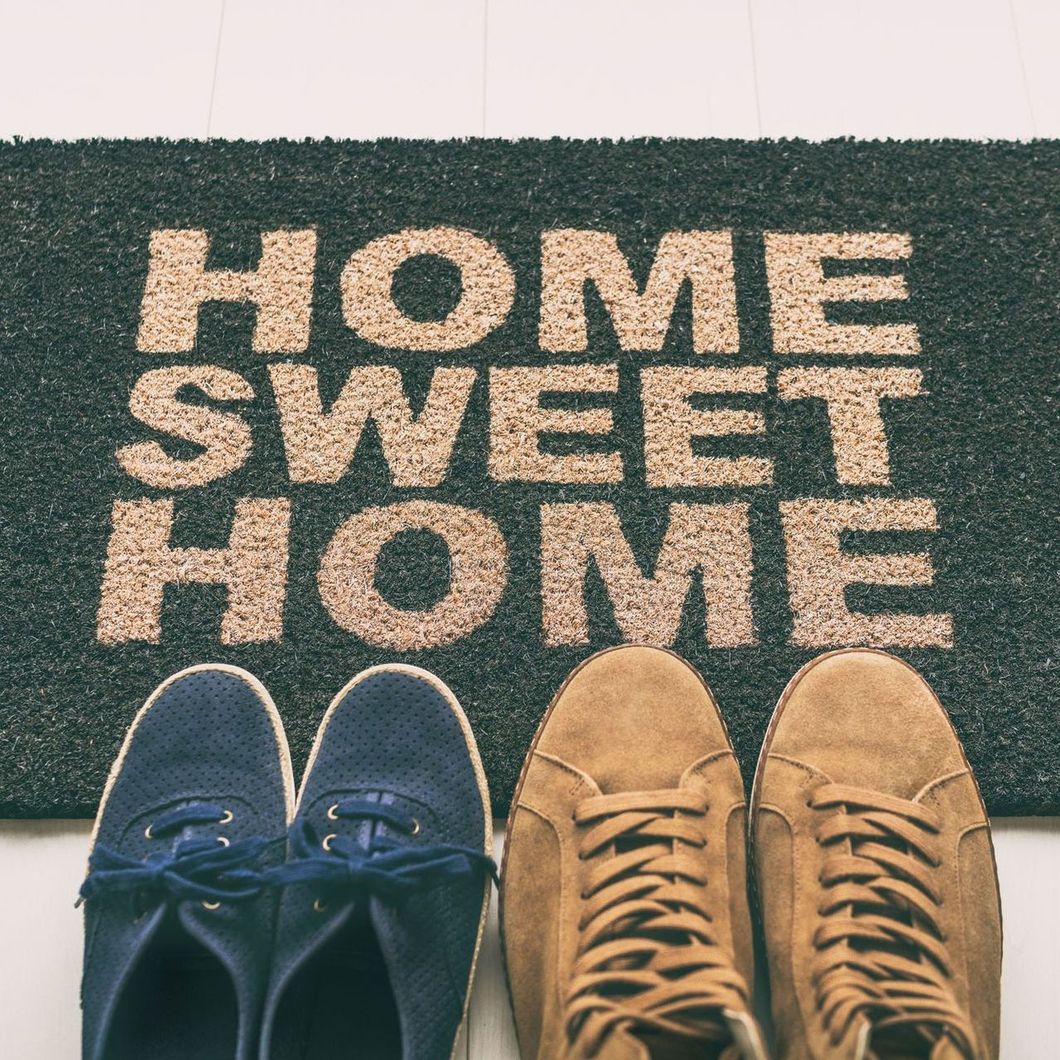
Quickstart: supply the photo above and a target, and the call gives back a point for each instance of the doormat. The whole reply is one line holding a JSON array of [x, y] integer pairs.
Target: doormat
[[487, 407]]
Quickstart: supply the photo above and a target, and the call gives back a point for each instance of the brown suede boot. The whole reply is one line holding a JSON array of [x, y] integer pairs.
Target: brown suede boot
[[623, 893], [875, 870]]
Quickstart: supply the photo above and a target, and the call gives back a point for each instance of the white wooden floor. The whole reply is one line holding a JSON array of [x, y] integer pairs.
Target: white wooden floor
[[440, 68]]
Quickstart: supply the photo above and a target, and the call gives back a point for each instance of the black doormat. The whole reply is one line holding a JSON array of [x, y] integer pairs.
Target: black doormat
[[487, 407]]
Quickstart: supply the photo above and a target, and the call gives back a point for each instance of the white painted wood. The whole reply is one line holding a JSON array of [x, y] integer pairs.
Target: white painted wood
[[1038, 32], [619, 68], [360, 69], [1028, 864], [904, 68], [491, 1032], [42, 864], [74, 68]]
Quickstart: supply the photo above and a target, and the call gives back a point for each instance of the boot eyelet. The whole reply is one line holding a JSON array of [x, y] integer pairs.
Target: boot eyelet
[[333, 812], [327, 841], [228, 817], [211, 905], [415, 829]]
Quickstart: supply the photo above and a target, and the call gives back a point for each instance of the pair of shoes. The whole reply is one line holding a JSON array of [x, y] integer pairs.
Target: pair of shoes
[[224, 920], [624, 899]]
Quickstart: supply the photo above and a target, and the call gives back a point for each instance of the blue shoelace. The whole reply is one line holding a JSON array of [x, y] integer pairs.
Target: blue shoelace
[[384, 867], [209, 869], [206, 869]]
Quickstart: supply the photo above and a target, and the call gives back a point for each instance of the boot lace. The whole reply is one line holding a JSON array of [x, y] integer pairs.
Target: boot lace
[[881, 953], [386, 867], [209, 869], [648, 957]]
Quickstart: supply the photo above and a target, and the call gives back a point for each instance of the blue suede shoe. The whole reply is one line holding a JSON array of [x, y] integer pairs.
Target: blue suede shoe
[[178, 917], [387, 881]]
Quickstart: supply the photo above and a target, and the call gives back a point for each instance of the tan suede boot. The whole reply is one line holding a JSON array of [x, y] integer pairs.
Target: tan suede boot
[[875, 870], [623, 893]]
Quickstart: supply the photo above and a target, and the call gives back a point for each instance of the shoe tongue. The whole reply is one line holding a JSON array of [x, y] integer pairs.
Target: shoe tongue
[[746, 1037], [624, 1046], [946, 1049], [213, 937], [745, 1044]]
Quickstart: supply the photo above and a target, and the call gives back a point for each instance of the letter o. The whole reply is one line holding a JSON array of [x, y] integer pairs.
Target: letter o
[[488, 290], [346, 577]]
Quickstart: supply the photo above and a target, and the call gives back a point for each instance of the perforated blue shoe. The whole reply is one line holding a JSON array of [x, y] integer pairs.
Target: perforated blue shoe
[[179, 918], [387, 881]]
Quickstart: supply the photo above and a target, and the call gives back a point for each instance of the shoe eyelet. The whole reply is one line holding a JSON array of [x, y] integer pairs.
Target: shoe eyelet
[[415, 829], [333, 812], [228, 817], [319, 906], [224, 841], [211, 905], [148, 834], [327, 840]]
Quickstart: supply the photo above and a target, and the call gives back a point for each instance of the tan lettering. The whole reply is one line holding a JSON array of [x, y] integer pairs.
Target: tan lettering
[[852, 397], [320, 445], [479, 573], [178, 283], [487, 290], [800, 290], [517, 420], [819, 573], [141, 563], [671, 423], [712, 539], [225, 436], [570, 257]]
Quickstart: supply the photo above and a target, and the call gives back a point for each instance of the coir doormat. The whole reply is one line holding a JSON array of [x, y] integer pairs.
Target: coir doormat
[[487, 407]]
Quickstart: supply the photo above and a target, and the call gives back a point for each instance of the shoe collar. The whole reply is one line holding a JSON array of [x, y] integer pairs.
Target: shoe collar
[[132, 942]]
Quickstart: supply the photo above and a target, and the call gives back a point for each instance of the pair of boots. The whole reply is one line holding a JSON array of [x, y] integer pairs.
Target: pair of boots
[[226, 921], [624, 900]]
